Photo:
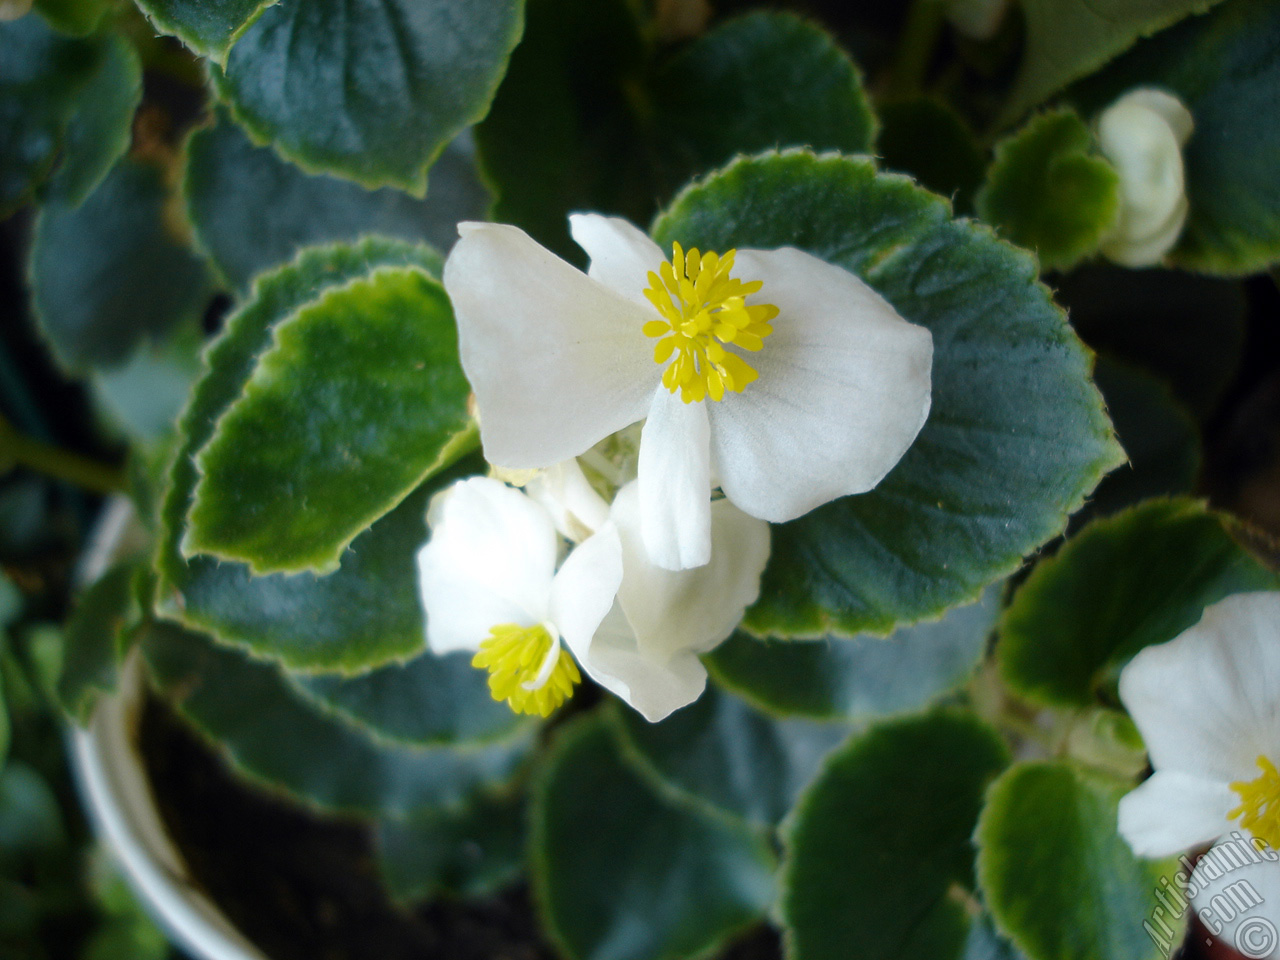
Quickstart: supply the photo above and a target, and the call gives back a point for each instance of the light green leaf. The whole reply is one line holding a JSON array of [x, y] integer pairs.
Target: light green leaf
[[858, 677], [1068, 39], [95, 640], [1221, 66], [466, 852], [1049, 190], [621, 874], [41, 76], [252, 210], [430, 699], [371, 90], [93, 271], [882, 837], [359, 400], [365, 614], [1059, 880], [1016, 436], [101, 128], [984, 943], [1138, 578], [722, 753], [275, 738], [209, 27], [764, 80]]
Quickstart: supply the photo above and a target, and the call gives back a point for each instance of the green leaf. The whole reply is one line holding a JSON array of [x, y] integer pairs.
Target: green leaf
[[366, 613], [1016, 436], [96, 639], [143, 398], [722, 753], [430, 699], [101, 129], [76, 17], [1129, 581], [621, 874], [371, 90], [561, 135], [41, 76], [94, 267], [209, 27], [252, 210], [1158, 433], [927, 139], [1189, 330], [279, 740], [30, 818], [1059, 880], [1221, 67], [471, 851], [1068, 39], [1049, 190], [764, 80], [882, 837], [858, 677], [984, 943], [359, 400]]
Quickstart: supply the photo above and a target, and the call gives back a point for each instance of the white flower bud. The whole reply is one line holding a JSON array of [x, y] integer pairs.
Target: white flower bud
[[1142, 134]]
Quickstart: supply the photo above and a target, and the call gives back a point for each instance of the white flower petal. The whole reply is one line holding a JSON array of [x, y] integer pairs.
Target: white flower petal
[[621, 254], [557, 361], [1238, 898], [689, 611], [584, 587], [1205, 702], [1174, 811], [653, 688], [564, 492], [675, 482], [843, 390], [490, 560]]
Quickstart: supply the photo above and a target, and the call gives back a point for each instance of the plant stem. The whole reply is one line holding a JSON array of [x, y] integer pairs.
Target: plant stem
[[60, 464], [916, 47]]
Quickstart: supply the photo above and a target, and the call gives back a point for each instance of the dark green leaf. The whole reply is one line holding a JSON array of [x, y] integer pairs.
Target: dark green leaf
[[1049, 190], [275, 738], [30, 818], [768, 79], [858, 677], [721, 752], [41, 76], [371, 90], [95, 640], [1016, 436], [465, 852], [881, 838], [252, 210], [94, 269], [209, 27], [1068, 39], [1138, 578], [928, 140], [359, 400], [76, 17], [1222, 67], [366, 613], [621, 874], [101, 128], [144, 397], [430, 699], [1059, 880]]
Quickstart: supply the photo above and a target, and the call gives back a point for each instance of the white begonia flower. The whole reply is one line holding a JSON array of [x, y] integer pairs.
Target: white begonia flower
[[1143, 134], [836, 390], [489, 584], [1207, 704]]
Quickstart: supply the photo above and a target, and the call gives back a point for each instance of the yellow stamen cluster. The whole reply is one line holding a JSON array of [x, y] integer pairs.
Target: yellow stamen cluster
[[703, 308], [516, 658], [1259, 809]]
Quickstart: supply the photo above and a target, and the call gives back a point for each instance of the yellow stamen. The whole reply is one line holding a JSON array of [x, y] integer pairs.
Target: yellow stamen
[[527, 668], [1259, 809], [702, 308]]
